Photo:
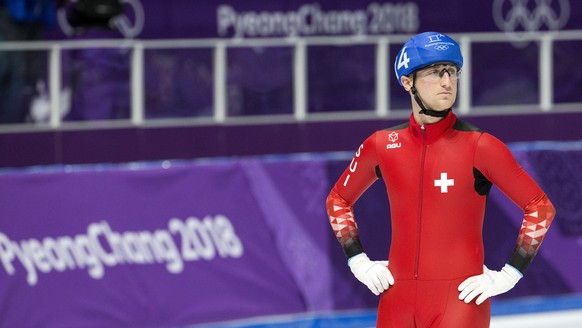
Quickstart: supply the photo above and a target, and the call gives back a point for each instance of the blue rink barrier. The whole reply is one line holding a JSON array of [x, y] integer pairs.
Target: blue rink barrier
[[536, 305], [367, 318]]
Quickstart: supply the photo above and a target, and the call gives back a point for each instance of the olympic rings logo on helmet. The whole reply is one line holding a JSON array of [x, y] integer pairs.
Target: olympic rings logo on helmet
[[424, 49]]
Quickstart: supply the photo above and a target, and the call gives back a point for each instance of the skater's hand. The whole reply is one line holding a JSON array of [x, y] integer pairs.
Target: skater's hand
[[374, 274], [488, 284]]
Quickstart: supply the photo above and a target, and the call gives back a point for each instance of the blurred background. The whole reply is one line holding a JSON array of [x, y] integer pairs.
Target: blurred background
[[166, 163]]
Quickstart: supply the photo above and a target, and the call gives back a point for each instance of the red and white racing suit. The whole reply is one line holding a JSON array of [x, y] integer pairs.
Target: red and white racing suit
[[437, 178]]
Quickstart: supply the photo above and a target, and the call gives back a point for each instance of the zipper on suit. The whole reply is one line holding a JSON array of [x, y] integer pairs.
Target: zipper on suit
[[419, 220]]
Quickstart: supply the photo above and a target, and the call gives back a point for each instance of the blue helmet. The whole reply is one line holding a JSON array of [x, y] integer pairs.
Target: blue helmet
[[425, 49]]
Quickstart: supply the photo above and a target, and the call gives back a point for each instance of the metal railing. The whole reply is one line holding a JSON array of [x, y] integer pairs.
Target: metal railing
[[300, 61]]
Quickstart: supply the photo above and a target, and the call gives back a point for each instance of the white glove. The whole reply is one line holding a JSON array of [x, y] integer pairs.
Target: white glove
[[488, 284], [374, 274]]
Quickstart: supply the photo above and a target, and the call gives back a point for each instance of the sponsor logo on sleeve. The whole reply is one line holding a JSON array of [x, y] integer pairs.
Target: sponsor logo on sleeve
[[393, 137]]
